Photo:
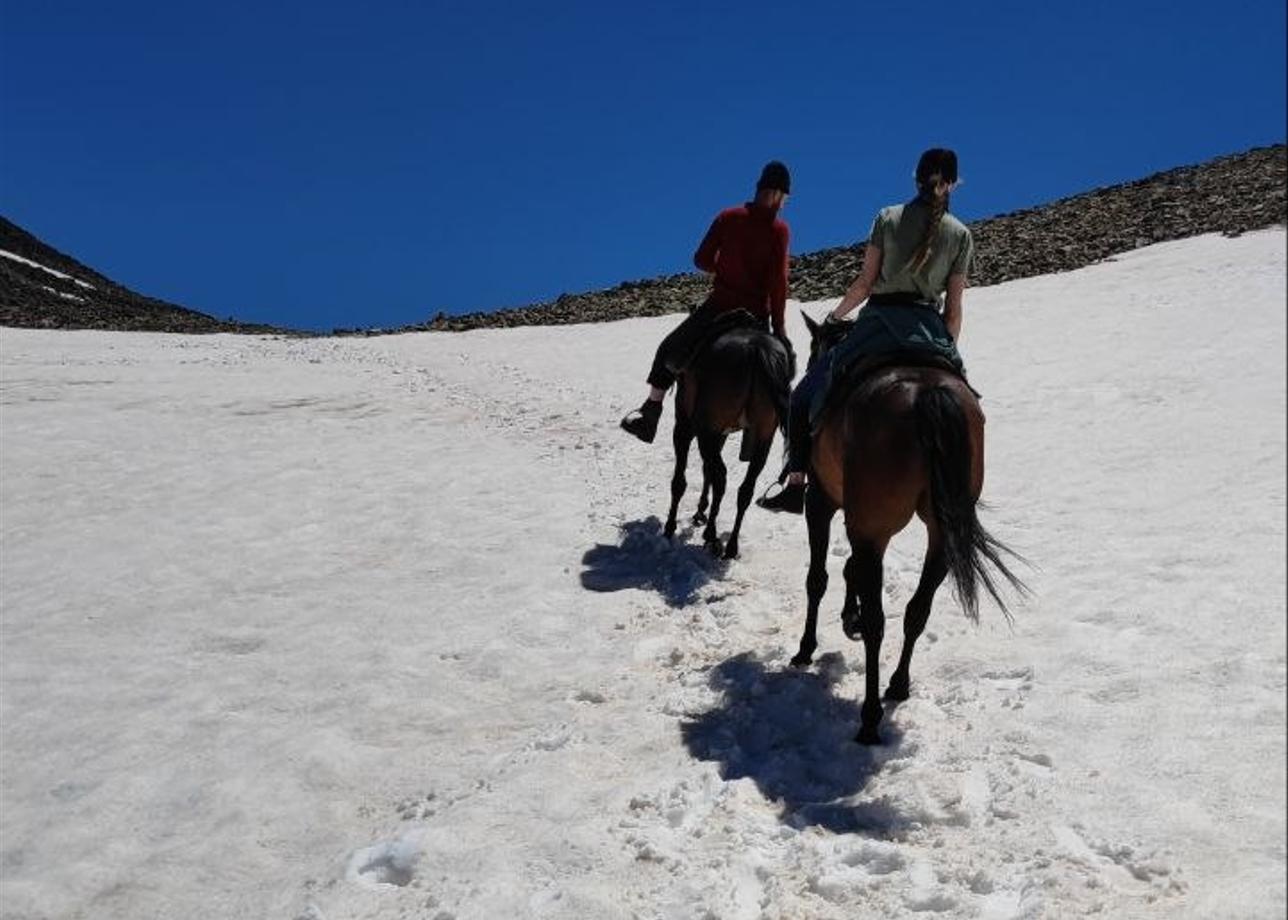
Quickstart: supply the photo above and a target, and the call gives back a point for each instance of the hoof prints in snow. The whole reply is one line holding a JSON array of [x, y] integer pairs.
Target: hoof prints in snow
[[391, 862], [418, 809]]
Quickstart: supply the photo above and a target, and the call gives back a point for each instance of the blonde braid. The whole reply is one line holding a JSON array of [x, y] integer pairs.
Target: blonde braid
[[938, 207]]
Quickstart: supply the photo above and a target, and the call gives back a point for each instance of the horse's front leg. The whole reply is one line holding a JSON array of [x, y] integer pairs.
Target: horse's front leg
[[681, 438], [863, 574], [759, 454], [819, 512], [933, 572], [713, 468]]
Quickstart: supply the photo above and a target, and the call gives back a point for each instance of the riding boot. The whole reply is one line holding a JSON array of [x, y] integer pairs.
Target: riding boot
[[643, 421], [792, 496], [791, 499]]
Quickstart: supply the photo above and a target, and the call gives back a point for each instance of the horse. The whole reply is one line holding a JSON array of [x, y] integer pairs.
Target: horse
[[740, 381], [907, 439]]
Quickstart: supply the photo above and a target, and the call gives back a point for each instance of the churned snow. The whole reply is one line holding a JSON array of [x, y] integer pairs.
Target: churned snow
[[57, 274], [377, 628]]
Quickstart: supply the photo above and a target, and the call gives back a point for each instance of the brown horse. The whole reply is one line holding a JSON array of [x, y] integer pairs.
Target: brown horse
[[741, 381], [906, 440]]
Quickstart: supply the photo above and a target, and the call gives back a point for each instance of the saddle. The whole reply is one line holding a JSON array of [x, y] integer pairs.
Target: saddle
[[890, 336], [862, 369], [869, 364], [719, 324]]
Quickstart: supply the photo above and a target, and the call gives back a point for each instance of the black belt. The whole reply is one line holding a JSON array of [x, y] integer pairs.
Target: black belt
[[901, 299]]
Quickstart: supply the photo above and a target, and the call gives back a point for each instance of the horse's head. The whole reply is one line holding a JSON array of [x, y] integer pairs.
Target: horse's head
[[824, 335]]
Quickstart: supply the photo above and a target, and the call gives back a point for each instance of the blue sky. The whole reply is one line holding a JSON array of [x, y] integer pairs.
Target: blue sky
[[333, 164]]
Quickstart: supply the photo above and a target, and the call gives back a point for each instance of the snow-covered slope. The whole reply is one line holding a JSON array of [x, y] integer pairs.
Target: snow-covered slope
[[384, 628]]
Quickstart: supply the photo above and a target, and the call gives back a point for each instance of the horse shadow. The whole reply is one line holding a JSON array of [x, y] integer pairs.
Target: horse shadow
[[645, 558], [788, 732]]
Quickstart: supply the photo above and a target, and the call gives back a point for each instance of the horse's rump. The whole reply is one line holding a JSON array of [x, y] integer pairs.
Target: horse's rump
[[845, 380], [870, 439], [713, 328], [740, 379]]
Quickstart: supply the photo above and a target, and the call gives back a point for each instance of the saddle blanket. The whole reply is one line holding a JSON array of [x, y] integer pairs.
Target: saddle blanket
[[884, 335]]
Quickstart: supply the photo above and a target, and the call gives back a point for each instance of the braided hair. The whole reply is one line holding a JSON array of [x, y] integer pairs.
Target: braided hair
[[937, 166]]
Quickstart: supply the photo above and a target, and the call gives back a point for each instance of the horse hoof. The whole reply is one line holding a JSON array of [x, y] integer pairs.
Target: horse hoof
[[851, 631], [699, 519], [669, 530], [868, 735], [802, 660], [731, 551], [897, 691]]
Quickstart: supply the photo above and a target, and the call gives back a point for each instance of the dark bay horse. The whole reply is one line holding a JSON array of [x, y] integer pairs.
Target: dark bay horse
[[741, 381], [906, 440]]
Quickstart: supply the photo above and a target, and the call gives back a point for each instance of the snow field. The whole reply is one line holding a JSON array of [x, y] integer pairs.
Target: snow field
[[386, 628]]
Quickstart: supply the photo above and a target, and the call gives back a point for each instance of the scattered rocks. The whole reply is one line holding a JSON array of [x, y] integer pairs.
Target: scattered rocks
[[1230, 195]]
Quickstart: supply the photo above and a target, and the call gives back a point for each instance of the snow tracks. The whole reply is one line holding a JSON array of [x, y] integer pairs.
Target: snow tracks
[[730, 785]]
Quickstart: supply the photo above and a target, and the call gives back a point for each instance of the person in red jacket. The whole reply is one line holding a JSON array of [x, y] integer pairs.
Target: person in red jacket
[[746, 250]]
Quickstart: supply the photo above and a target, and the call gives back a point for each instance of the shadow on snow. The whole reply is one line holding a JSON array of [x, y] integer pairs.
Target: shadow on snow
[[644, 558], [788, 732]]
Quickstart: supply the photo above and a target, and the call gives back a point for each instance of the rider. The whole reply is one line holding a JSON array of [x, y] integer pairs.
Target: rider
[[746, 250], [917, 256]]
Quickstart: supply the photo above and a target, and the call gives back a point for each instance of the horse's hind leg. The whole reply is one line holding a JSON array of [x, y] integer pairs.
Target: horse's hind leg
[[700, 516], [863, 574], [819, 512], [681, 438], [759, 454], [713, 468], [933, 572]]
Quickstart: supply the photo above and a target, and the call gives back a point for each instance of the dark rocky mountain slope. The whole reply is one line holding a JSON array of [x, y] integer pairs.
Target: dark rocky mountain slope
[[59, 292], [1229, 195]]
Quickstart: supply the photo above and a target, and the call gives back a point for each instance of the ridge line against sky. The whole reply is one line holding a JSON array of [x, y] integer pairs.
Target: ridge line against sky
[[314, 166]]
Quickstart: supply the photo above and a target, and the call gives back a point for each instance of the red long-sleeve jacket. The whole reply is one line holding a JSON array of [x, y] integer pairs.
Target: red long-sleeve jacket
[[747, 247]]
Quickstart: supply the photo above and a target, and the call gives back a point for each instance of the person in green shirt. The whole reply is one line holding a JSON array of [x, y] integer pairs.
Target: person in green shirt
[[913, 276]]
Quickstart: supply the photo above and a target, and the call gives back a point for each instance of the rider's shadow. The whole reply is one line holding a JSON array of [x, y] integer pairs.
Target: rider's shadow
[[644, 558], [788, 732]]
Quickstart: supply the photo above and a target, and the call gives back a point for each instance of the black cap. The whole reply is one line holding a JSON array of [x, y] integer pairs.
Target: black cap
[[937, 160], [775, 176]]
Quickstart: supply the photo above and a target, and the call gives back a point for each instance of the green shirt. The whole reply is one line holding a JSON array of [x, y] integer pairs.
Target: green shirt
[[896, 232]]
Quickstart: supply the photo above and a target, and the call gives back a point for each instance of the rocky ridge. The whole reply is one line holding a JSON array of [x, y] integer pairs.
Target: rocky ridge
[[1230, 194], [43, 288]]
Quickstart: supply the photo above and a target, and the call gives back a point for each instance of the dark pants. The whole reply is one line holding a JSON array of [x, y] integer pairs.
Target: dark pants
[[678, 346], [798, 416]]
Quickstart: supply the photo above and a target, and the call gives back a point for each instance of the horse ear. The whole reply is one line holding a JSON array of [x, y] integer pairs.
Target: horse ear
[[810, 324]]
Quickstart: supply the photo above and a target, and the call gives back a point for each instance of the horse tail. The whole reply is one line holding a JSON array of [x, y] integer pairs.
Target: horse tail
[[970, 549], [772, 364]]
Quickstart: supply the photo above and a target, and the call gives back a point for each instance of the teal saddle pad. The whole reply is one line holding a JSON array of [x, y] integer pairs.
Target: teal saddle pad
[[884, 335]]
